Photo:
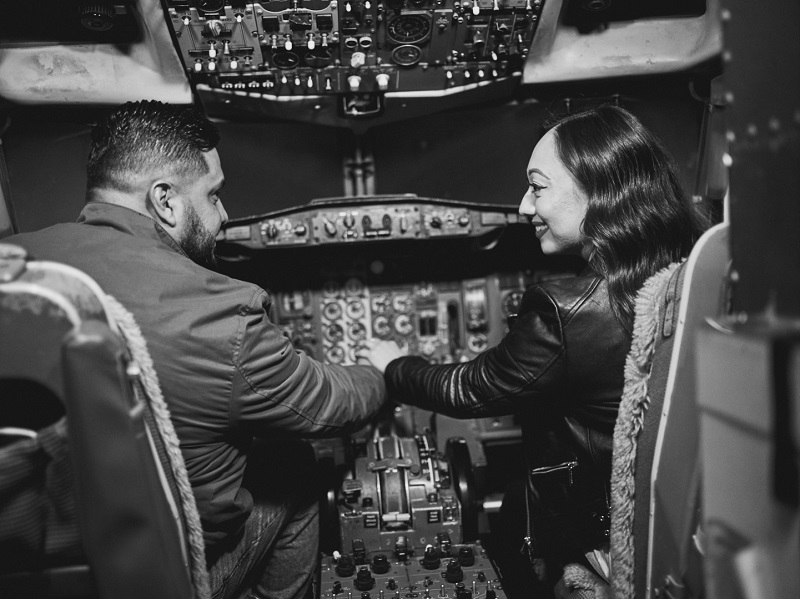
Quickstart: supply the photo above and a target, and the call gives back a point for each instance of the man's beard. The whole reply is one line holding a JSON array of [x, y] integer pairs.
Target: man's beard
[[197, 241]]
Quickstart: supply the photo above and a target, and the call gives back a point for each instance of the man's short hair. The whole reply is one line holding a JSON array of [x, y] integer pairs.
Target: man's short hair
[[140, 138]]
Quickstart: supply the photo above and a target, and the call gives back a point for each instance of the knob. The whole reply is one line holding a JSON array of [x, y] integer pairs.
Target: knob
[[364, 580], [382, 79], [453, 573], [436, 222], [462, 592], [346, 566], [401, 548], [311, 43], [349, 220], [380, 564], [391, 584], [337, 587], [354, 81], [466, 556], [214, 27], [431, 560], [481, 576], [212, 50], [330, 227], [358, 59], [98, 17], [288, 43]]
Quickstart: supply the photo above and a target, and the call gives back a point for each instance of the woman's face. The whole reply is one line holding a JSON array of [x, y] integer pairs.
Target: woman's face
[[554, 203]]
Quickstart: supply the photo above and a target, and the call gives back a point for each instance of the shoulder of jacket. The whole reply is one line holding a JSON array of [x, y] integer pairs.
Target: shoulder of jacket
[[567, 294]]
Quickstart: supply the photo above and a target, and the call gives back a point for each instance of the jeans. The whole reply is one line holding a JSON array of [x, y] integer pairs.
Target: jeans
[[275, 555]]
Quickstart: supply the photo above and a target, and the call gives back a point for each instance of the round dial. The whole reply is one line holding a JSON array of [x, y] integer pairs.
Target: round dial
[[318, 58], [285, 60], [407, 55], [408, 29], [206, 6]]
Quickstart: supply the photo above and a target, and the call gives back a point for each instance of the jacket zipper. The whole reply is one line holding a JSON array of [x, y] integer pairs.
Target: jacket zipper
[[568, 466]]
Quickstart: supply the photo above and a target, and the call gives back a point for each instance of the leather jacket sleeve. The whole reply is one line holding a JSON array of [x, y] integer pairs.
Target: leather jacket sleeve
[[276, 387], [527, 364]]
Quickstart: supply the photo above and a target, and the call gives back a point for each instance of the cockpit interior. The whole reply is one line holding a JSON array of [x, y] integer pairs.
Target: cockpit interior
[[374, 155]]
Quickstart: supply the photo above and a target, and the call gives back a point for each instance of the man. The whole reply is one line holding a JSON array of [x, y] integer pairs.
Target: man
[[146, 235]]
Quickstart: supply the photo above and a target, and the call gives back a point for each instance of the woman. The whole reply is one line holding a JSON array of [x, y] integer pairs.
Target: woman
[[600, 186]]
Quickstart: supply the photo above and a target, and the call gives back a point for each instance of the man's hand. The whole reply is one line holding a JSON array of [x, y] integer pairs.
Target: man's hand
[[377, 353]]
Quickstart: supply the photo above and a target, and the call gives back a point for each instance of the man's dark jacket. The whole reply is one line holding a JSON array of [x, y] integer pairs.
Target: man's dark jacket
[[227, 373], [560, 369]]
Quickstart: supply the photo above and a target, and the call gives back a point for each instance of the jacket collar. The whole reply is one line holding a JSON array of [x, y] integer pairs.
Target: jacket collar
[[125, 220]]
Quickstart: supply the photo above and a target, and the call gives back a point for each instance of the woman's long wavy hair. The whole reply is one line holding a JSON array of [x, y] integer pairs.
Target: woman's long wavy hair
[[639, 218]]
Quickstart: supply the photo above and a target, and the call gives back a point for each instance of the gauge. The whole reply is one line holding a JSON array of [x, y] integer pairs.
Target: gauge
[[285, 60], [206, 6], [408, 29], [355, 310], [380, 326], [406, 56], [401, 302], [403, 325], [357, 331], [353, 286], [330, 288], [332, 311], [318, 58], [334, 332], [335, 354]]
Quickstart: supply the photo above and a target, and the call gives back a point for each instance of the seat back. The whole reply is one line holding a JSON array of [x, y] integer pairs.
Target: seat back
[[59, 346], [673, 554], [655, 475]]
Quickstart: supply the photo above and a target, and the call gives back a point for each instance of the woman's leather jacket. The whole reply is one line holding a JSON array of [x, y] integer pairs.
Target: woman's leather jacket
[[560, 369]]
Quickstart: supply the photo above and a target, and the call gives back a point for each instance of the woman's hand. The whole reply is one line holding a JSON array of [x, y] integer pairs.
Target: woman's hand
[[377, 353]]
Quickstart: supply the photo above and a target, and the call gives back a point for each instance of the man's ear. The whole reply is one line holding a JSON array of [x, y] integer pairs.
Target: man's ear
[[161, 200]]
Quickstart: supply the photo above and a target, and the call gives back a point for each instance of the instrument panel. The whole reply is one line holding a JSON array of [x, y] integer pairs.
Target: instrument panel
[[355, 50], [442, 278]]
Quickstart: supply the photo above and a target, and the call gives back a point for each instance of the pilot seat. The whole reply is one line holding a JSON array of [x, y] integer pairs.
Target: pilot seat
[[94, 497]]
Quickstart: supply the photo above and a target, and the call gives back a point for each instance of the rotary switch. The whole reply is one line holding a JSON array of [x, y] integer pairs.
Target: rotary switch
[[97, 17]]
